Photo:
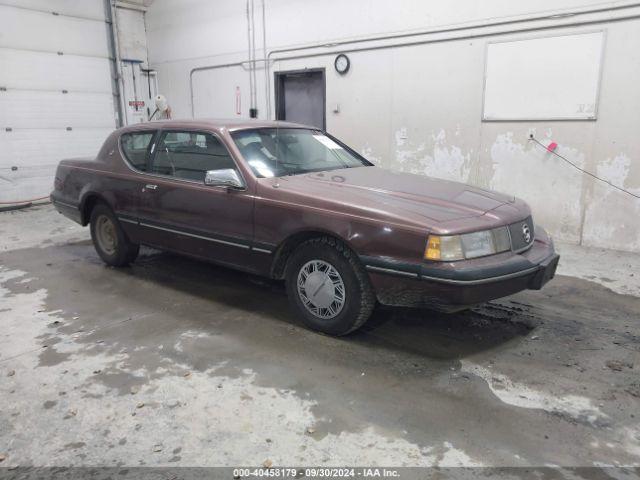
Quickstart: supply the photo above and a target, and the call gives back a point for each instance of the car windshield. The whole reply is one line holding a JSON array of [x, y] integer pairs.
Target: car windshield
[[276, 152]]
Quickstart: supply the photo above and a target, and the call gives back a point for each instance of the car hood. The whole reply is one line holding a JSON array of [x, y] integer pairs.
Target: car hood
[[401, 195]]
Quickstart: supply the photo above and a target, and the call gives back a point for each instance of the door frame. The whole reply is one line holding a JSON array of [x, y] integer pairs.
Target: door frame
[[278, 82]]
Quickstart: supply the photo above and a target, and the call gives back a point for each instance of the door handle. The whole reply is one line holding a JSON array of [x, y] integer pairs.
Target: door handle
[[149, 186]]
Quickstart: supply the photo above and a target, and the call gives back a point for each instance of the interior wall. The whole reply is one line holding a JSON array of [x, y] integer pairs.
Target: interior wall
[[418, 108]]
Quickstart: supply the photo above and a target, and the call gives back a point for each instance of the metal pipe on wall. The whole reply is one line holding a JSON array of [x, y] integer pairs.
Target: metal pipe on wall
[[250, 58], [254, 94], [265, 57], [251, 39], [559, 17], [114, 46], [242, 64]]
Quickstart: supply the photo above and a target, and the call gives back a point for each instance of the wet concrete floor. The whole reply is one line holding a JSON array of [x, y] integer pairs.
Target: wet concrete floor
[[176, 362]]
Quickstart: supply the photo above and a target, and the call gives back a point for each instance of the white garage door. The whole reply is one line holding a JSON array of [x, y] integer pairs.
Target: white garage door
[[56, 97]]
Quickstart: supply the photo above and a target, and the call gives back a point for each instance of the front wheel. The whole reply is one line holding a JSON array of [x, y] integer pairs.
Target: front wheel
[[109, 239], [328, 288]]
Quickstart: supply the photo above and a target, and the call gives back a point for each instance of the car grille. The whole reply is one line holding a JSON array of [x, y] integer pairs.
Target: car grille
[[517, 231]]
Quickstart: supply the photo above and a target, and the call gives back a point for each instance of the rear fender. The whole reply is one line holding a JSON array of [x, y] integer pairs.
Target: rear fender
[[88, 199]]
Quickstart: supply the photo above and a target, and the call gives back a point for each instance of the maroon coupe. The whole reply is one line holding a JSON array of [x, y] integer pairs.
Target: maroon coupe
[[291, 202]]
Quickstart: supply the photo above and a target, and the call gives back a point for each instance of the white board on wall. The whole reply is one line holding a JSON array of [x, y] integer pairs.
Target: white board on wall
[[547, 78]]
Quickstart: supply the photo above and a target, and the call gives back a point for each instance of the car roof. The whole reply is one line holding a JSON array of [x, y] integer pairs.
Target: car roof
[[230, 124]]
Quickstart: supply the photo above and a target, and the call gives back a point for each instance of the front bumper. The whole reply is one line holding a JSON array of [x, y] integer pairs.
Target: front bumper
[[458, 285]]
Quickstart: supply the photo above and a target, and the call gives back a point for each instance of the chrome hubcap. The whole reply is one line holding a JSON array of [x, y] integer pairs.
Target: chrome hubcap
[[106, 235], [321, 289]]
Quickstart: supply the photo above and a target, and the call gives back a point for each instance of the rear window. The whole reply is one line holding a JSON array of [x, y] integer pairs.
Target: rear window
[[135, 147]]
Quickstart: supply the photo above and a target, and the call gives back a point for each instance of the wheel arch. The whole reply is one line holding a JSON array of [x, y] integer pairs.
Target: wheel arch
[[89, 200], [289, 244]]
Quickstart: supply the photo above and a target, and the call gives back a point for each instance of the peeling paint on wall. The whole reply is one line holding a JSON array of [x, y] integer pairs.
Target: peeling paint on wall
[[611, 217], [552, 189], [367, 152], [433, 157]]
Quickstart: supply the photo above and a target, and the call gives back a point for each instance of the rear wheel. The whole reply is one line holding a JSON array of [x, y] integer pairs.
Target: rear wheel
[[328, 288], [109, 239]]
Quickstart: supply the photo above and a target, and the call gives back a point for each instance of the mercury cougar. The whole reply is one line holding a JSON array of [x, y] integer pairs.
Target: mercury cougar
[[293, 203]]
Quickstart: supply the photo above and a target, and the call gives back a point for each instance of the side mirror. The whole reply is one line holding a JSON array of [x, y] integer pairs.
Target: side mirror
[[226, 177]]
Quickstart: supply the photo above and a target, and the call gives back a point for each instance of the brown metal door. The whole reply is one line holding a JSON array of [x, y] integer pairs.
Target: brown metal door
[[301, 97]]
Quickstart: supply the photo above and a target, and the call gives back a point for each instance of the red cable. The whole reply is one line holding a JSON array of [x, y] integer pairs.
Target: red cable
[[24, 201]]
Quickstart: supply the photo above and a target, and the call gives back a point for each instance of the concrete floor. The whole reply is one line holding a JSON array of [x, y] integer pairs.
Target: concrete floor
[[174, 362]]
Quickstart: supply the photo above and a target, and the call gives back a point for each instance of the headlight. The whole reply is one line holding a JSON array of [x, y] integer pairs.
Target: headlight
[[448, 248]]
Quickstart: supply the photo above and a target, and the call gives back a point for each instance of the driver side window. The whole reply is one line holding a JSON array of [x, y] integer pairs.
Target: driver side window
[[189, 155]]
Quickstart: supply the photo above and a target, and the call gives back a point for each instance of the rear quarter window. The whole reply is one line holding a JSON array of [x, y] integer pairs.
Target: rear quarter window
[[135, 147]]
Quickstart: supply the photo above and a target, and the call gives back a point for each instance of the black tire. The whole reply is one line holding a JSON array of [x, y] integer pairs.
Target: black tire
[[123, 251], [358, 300]]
